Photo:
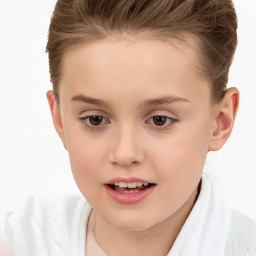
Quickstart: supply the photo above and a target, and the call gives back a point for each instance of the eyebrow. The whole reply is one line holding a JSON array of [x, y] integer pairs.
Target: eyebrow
[[164, 100], [90, 100], [149, 102]]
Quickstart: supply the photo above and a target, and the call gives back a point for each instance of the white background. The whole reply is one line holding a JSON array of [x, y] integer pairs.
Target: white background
[[32, 159]]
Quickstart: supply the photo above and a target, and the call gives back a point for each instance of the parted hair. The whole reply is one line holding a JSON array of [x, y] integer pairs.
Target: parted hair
[[212, 22]]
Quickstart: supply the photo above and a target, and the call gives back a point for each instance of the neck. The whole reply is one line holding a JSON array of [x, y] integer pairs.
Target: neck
[[156, 240]]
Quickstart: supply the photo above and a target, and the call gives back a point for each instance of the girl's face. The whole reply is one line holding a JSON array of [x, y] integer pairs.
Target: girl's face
[[136, 113]]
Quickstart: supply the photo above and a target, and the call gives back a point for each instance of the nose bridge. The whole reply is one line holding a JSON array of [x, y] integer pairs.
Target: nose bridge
[[126, 147]]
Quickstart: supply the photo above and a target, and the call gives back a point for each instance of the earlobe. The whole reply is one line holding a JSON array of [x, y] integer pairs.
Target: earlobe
[[224, 120], [56, 115]]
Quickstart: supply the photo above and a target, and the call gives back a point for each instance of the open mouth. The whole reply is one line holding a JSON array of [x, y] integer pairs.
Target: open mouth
[[129, 191], [132, 187]]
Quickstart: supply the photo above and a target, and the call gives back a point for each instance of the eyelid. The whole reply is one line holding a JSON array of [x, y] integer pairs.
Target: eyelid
[[92, 112], [163, 112]]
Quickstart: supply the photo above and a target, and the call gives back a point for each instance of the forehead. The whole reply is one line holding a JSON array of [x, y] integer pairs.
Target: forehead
[[134, 49], [143, 65]]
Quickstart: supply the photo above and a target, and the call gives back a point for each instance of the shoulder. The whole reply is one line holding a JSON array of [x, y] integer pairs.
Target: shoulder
[[46, 224], [44, 209], [240, 231], [242, 236]]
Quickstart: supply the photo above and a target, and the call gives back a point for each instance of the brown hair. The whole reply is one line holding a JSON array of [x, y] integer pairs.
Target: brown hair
[[212, 22]]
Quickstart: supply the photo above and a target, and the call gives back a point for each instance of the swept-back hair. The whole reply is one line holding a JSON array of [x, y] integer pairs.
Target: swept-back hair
[[212, 22]]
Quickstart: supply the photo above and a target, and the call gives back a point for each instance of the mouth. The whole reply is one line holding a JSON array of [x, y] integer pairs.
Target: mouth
[[129, 191], [131, 187]]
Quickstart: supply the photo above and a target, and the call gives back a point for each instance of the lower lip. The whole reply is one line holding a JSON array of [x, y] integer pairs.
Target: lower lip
[[129, 198]]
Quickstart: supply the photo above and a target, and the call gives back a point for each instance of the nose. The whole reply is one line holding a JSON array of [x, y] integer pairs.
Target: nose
[[126, 147]]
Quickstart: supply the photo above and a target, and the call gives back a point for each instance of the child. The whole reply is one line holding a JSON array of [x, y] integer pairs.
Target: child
[[139, 98]]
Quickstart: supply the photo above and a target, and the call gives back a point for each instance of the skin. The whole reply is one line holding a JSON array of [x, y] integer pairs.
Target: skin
[[5, 246], [127, 75]]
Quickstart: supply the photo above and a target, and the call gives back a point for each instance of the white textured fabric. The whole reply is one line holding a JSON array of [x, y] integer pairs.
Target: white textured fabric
[[214, 229], [57, 227], [49, 227], [242, 236]]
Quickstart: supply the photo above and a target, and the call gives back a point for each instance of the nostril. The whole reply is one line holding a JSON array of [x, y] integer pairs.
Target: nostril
[[125, 164]]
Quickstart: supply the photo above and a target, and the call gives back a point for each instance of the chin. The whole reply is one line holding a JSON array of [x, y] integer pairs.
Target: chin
[[128, 223]]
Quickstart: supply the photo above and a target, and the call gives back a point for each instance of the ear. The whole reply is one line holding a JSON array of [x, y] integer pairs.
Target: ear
[[224, 119], [56, 115]]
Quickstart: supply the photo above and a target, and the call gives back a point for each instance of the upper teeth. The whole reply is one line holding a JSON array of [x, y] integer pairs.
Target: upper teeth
[[130, 184]]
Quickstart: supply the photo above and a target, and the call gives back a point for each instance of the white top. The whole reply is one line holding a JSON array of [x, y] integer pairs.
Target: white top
[[57, 227]]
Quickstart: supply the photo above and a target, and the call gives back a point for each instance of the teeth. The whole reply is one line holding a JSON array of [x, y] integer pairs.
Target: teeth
[[123, 185], [132, 185], [129, 185], [139, 184]]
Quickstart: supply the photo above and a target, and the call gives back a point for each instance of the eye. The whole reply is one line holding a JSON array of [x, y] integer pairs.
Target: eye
[[161, 120], [94, 120]]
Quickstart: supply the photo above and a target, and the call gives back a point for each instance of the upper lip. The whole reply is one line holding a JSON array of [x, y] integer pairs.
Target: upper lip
[[127, 180]]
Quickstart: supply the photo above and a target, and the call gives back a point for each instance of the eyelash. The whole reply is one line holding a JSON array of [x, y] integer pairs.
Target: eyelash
[[86, 121]]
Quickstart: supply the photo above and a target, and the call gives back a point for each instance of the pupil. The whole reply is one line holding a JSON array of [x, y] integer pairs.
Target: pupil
[[159, 120], [95, 120]]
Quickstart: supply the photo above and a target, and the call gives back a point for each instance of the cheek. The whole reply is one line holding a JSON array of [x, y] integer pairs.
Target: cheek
[[179, 162], [86, 157], [180, 158]]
